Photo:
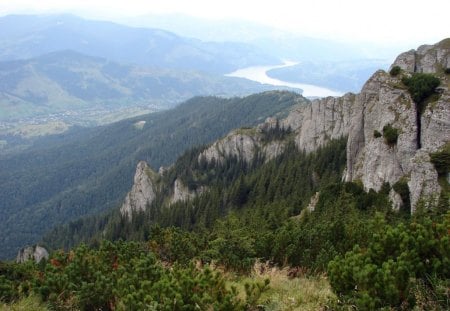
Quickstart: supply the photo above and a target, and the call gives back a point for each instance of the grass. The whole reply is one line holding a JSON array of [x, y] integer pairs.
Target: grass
[[24, 304], [306, 293]]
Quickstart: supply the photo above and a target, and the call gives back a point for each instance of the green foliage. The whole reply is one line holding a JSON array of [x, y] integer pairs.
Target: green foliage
[[87, 171], [441, 160], [383, 273], [127, 276], [231, 246], [395, 71], [390, 134], [253, 292], [402, 188], [15, 280], [276, 132], [421, 86], [377, 134]]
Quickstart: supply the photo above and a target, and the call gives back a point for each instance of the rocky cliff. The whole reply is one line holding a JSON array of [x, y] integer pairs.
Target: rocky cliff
[[36, 253], [384, 101], [383, 104], [143, 191]]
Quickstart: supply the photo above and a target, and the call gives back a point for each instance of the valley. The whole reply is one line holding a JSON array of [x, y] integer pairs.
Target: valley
[[165, 157]]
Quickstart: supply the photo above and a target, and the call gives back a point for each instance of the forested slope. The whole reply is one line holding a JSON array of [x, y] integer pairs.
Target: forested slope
[[89, 172]]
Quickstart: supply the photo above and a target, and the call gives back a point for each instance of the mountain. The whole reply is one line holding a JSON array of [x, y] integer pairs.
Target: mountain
[[86, 171], [345, 76], [28, 36], [67, 82], [387, 141], [354, 186]]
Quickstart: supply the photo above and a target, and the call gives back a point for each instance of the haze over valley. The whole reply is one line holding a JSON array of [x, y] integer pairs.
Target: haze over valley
[[224, 155]]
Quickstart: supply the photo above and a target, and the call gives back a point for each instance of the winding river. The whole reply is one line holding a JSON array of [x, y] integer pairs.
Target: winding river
[[259, 74]]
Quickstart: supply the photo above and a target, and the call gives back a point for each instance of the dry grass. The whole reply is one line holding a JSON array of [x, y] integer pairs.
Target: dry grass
[[25, 304], [302, 293]]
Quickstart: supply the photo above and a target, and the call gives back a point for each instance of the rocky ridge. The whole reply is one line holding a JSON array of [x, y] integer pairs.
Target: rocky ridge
[[36, 253], [383, 101]]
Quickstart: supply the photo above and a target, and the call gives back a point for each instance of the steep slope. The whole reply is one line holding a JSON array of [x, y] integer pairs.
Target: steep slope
[[384, 103], [26, 36], [64, 177], [69, 81]]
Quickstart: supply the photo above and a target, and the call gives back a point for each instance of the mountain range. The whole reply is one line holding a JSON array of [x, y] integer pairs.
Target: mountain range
[[69, 81], [28, 36]]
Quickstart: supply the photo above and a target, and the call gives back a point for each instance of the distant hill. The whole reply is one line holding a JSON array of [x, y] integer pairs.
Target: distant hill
[[68, 80], [86, 171], [27, 36]]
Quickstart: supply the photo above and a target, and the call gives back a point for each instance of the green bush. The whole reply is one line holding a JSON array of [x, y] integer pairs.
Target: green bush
[[402, 188], [421, 86], [441, 161], [383, 274], [395, 71], [390, 134], [376, 134]]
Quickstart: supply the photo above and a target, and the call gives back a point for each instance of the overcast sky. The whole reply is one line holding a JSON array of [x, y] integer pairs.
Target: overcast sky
[[381, 21]]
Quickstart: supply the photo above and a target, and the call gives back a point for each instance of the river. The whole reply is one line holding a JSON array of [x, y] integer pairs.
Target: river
[[259, 74]]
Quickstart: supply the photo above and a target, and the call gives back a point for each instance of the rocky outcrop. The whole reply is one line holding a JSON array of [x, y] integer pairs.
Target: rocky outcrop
[[369, 157], [324, 119], [182, 193], [427, 58], [243, 144], [435, 130], [384, 101], [372, 158], [423, 183], [36, 253], [313, 202], [142, 193]]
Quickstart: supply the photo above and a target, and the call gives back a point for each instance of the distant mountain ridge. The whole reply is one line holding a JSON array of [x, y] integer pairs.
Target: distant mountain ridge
[[28, 36], [67, 80]]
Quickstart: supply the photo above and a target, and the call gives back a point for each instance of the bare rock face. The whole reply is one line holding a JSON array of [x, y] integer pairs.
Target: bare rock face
[[321, 121], [435, 131], [424, 181], [244, 145], [142, 193], [182, 193], [370, 158], [313, 202], [383, 101], [36, 253], [427, 58]]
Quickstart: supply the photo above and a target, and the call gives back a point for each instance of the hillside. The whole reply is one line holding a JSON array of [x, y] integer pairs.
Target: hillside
[[356, 186], [28, 36], [78, 173], [72, 87]]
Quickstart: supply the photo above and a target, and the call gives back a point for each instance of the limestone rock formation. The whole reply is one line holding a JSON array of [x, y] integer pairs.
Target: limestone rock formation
[[182, 193], [384, 101], [322, 120], [244, 145], [142, 193], [36, 253], [424, 181], [373, 157], [427, 58]]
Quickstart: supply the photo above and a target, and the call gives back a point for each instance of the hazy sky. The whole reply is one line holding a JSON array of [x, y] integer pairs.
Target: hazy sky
[[382, 21]]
